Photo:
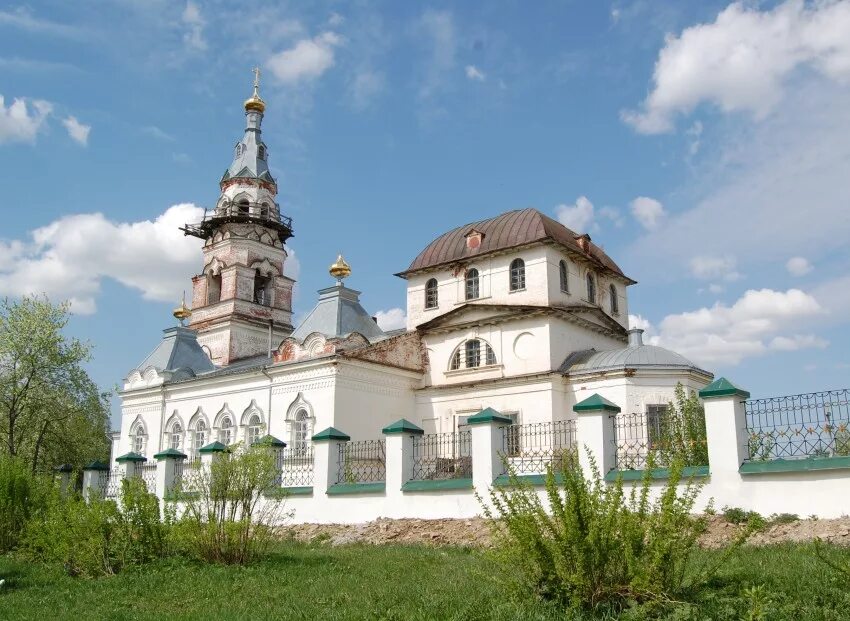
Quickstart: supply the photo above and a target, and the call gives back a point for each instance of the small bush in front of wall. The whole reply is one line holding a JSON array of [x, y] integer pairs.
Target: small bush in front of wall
[[784, 518], [597, 545], [21, 495], [98, 537], [682, 435], [225, 517], [753, 519]]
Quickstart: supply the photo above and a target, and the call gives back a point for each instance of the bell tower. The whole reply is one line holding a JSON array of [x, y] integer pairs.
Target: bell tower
[[241, 299]]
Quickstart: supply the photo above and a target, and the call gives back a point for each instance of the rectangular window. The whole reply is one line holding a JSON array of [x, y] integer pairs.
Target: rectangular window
[[656, 423]]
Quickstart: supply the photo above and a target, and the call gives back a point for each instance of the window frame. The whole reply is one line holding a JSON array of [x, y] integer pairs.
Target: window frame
[[615, 304], [564, 276], [516, 272], [175, 436], [656, 423], [483, 356], [254, 429], [301, 431], [432, 294], [225, 432], [590, 284], [472, 284]]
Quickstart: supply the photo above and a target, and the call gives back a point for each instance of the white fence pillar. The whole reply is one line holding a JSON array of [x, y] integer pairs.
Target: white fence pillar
[[595, 433], [210, 452], [63, 478], [399, 454], [128, 463], [326, 445], [166, 471], [486, 427], [92, 480], [726, 430]]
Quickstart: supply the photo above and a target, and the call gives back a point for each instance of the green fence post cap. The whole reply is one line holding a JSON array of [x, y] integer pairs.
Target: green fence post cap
[[170, 453], [488, 415], [722, 387], [402, 425], [270, 440], [331, 433], [96, 465], [214, 447], [131, 456], [596, 403]]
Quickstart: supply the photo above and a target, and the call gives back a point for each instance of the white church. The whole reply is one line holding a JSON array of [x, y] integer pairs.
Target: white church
[[516, 313]]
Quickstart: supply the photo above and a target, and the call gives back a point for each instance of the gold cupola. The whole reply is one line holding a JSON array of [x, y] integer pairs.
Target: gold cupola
[[340, 269], [182, 312], [255, 102]]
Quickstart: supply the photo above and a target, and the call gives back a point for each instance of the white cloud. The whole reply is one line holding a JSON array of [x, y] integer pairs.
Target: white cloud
[[159, 134], [23, 119], [742, 61], [438, 28], [366, 85], [694, 132], [335, 20], [194, 36], [755, 324], [715, 268], [475, 74], [647, 211], [613, 214], [69, 258], [578, 216], [391, 319], [76, 130], [798, 266], [305, 61]]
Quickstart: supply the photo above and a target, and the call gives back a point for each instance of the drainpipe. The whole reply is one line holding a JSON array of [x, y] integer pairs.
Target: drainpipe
[[266, 373]]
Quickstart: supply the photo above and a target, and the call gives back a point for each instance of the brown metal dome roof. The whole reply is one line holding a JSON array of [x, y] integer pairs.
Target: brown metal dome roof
[[508, 230]]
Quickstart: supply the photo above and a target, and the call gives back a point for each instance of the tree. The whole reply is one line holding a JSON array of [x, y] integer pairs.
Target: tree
[[51, 411], [681, 433]]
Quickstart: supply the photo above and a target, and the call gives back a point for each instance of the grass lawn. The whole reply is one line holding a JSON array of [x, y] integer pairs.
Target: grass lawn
[[303, 581]]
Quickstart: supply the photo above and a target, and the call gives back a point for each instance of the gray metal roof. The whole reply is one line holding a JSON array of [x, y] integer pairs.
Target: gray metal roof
[[247, 162], [636, 355], [338, 313], [178, 351]]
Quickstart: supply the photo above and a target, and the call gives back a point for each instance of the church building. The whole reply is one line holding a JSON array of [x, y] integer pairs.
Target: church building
[[515, 312]]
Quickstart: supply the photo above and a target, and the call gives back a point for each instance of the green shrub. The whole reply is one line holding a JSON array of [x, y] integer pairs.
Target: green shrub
[[784, 518], [225, 518], [753, 519], [681, 435], [21, 495], [99, 537], [597, 545]]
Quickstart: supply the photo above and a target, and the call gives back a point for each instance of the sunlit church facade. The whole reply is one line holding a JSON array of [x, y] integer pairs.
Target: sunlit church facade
[[515, 312]]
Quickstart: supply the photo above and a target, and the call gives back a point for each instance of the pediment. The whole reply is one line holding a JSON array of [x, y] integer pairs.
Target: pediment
[[478, 314]]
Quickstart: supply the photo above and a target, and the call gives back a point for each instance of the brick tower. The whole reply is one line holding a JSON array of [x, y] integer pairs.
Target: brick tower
[[241, 299]]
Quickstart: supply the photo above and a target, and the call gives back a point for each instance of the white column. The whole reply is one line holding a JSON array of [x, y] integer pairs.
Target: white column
[[486, 427], [63, 478], [166, 470], [326, 459], [595, 434], [726, 430], [399, 454], [92, 482]]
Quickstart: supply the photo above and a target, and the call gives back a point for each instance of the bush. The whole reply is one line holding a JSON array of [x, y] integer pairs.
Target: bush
[[226, 519], [98, 537], [784, 518], [21, 495], [598, 545], [753, 519]]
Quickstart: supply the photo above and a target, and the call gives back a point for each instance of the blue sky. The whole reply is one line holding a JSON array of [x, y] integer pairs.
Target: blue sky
[[703, 144]]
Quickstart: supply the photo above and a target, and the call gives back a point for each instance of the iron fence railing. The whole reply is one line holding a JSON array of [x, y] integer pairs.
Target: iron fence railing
[[363, 461], [146, 471], [657, 433], [295, 467], [531, 448], [799, 426], [442, 456], [110, 483], [186, 472]]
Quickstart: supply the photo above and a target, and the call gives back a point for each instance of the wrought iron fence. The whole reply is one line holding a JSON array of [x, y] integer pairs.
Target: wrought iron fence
[[110, 483], [363, 461], [185, 473], [530, 448], [146, 471], [799, 426], [442, 456], [638, 435], [295, 466]]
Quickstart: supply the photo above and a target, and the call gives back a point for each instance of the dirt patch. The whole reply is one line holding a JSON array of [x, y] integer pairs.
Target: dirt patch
[[475, 532]]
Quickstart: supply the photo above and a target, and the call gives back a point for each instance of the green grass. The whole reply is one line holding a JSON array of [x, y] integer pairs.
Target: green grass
[[400, 582]]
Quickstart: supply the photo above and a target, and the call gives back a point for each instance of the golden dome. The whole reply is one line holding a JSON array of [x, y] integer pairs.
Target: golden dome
[[255, 102], [340, 269], [182, 312]]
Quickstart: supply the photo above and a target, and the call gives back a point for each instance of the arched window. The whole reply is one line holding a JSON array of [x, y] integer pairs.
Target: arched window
[[255, 427], [225, 434], [262, 289], [564, 276], [199, 438], [472, 284], [264, 210], [431, 299], [615, 305], [213, 289], [261, 152], [591, 288], [517, 275], [238, 149], [176, 436], [139, 440], [300, 431], [242, 207], [468, 355]]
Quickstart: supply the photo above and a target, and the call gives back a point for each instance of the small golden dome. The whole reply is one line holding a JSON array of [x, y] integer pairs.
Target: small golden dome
[[255, 102], [340, 269], [182, 312]]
